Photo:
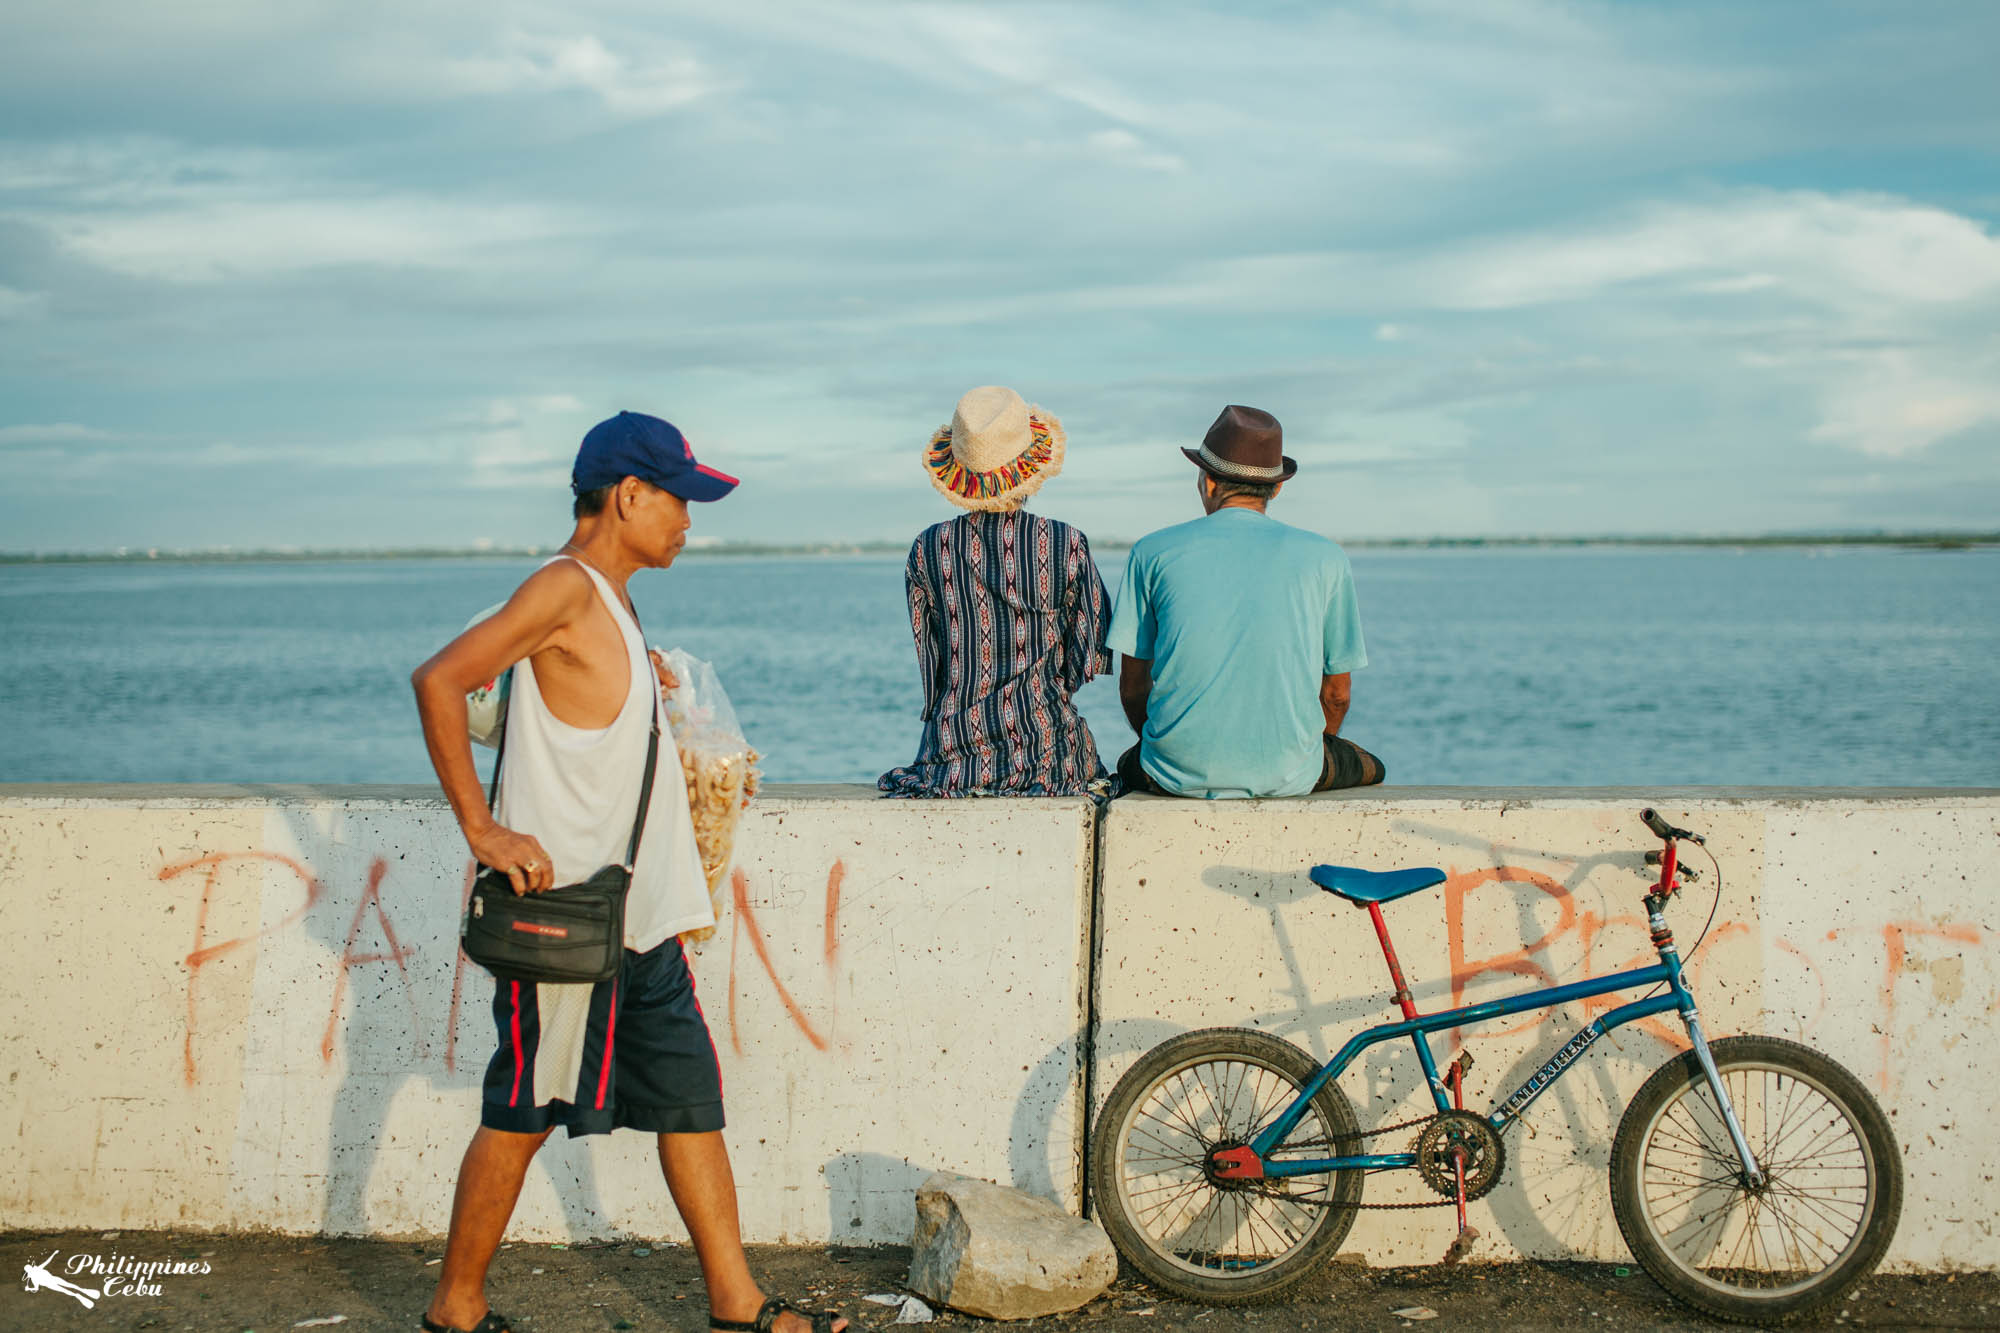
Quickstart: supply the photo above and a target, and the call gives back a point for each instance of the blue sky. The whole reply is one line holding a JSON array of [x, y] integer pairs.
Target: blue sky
[[361, 274]]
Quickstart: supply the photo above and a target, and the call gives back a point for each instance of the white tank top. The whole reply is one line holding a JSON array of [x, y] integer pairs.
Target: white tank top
[[577, 789]]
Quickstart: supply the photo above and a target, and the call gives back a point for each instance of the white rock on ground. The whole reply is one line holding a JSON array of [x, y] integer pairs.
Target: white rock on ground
[[1003, 1254]]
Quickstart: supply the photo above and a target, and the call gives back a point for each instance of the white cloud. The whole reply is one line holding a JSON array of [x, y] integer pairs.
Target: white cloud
[[1784, 284], [1864, 253], [1127, 149], [438, 51], [519, 442], [57, 432], [156, 209], [539, 63], [1746, 282], [16, 304], [1429, 231], [1838, 248], [255, 238], [1888, 404]]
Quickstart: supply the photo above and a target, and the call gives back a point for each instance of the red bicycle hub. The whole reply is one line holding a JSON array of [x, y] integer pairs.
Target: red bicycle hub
[[1235, 1164]]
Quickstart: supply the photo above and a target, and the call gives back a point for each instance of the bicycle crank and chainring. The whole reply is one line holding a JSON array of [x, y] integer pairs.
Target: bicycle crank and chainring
[[1452, 1135], [1486, 1160]]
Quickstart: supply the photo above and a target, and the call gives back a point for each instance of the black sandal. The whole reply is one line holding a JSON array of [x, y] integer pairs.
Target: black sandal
[[822, 1322], [492, 1323]]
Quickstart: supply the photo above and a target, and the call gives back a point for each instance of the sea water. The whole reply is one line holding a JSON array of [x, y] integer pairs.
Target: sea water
[[1628, 666]]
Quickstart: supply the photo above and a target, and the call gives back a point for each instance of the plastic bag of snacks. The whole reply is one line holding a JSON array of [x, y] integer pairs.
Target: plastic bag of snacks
[[720, 767], [486, 707]]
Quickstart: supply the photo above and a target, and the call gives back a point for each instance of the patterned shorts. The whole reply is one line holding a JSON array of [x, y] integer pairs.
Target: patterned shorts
[[1346, 765], [632, 1052]]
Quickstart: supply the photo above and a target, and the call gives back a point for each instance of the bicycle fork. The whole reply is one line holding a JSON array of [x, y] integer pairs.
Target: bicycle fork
[[1663, 940]]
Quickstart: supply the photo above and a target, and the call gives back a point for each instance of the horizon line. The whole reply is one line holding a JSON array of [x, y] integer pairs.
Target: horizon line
[[1949, 538]]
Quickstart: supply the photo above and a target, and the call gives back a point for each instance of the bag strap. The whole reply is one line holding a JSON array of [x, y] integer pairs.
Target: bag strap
[[499, 754], [652, 758], [652, 745], [645, 787]]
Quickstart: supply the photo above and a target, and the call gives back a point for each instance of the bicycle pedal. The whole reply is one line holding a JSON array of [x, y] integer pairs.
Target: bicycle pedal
[[1461, 1245]]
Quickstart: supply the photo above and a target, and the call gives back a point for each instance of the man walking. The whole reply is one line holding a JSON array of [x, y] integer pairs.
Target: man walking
[[1238, 635], [633, 1051]]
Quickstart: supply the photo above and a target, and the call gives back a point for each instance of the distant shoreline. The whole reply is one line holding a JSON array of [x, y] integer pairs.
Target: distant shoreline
[[1933, 541]]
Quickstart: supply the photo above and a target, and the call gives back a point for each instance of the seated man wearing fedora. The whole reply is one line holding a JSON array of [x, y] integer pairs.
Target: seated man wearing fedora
[[1238, 634]]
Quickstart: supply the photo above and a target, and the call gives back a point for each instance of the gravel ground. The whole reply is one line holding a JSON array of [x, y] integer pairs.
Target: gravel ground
[[273, 1283]]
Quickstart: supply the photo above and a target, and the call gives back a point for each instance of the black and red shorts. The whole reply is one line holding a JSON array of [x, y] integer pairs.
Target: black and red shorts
[[629, 1053]]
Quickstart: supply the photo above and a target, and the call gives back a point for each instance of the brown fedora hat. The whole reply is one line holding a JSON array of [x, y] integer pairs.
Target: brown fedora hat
[[1244, 444]]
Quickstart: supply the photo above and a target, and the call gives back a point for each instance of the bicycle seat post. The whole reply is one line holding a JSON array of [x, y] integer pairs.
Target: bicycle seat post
[[1403, 996]]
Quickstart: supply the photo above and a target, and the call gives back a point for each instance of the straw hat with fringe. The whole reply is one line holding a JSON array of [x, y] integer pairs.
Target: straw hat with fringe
[[997, 451]]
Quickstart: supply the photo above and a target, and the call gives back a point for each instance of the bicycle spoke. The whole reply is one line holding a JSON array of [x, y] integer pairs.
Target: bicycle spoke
[[1208, 1095], [1230, 1097], [1188, 1149], [1782, 1237], [1166, 1205], [1798, 1099], [1180, 1186], [1711, 1224], [1164, 1187], [1828, 1132], [1171, 1114], [1700, 1136], [1817, 1207], [1800, 1241]]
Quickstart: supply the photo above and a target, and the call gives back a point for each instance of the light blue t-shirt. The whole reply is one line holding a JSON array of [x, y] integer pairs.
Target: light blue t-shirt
[[1241, 616]]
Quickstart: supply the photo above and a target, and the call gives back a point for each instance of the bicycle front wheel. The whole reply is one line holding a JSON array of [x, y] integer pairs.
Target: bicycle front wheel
[[1819, 1223], [1223, 1241]]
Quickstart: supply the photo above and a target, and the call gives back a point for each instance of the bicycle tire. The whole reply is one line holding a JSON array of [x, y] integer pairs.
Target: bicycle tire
[[1239, 1064], [1828, 1213]]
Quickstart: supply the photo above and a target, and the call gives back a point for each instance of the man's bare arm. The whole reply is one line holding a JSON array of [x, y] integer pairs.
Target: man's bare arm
[[1335, 694], [1135, 683], [537, 612]]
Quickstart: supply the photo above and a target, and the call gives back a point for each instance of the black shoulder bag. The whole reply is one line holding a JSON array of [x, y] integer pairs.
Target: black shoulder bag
[[570, 934]]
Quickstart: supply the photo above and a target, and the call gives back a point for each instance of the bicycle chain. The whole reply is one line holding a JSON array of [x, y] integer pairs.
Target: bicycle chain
[[1360, 1134]]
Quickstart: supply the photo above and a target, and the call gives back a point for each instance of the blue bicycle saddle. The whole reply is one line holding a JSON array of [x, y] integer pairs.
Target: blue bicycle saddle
[[1374, 886]]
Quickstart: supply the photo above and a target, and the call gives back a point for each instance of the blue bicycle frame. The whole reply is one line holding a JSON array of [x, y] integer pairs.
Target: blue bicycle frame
[[1504, 1113]]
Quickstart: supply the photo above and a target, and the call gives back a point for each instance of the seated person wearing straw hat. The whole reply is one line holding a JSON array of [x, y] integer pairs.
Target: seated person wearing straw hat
[[1008, 611], [1238, 634]]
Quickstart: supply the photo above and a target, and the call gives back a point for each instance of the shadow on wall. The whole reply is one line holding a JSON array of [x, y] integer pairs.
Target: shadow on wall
[[871, 1195], [1389, 1072], [405, 1008], [1567, 1191]]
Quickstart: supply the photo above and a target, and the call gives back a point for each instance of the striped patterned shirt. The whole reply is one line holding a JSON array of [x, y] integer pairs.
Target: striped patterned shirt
[[1009, 614]]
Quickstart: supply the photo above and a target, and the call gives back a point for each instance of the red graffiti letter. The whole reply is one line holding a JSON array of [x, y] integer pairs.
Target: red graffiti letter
[[204, 952], [397, 954]]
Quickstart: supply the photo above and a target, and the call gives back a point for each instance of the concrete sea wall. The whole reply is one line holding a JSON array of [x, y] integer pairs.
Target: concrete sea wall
[[249, 1010], [244, 1008], [1867, 926]]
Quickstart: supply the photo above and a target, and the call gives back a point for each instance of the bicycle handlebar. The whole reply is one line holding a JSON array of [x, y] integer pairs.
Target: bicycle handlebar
[[1662, 829]]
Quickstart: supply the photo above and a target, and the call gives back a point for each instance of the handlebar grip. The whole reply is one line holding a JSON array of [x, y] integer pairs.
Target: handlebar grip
[[1662, 829]]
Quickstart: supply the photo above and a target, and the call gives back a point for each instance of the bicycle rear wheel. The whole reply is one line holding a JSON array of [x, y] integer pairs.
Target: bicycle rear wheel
[[1821, 1221], [1225, 1242]]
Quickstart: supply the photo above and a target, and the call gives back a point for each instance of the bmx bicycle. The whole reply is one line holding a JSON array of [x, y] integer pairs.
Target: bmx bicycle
[[1752, 1177]]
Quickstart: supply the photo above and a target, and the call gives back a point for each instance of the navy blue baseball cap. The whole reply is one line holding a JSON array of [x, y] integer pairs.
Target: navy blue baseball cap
[[633, 444]]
